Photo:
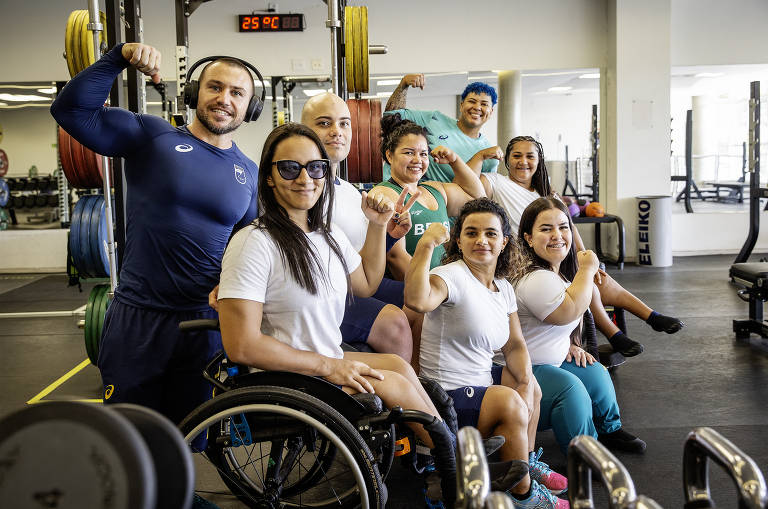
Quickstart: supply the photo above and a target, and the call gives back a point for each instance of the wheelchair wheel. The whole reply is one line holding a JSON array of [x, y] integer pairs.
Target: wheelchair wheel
[[276, 447]]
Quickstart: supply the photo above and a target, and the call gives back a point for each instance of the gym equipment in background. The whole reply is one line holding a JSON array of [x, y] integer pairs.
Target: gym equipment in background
[[78, 42], [364, 163], [3, 163]]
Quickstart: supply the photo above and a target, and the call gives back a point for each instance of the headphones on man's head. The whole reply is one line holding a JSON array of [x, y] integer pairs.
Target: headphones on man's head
[[192, 87]]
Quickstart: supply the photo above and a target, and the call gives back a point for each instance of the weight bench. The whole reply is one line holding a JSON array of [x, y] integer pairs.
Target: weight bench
[[753, 278]]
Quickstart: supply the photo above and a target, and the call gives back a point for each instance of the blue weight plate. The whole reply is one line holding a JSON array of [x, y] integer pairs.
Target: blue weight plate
[[5, 193], [103, 248], [74, 233], [73, 455], [97, 217], [85, 236]]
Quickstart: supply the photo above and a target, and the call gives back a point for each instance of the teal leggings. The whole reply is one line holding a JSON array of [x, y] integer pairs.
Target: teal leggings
[[576, 401]]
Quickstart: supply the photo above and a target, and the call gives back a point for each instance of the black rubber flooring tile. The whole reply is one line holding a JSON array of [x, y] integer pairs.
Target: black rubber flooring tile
[[52, 326], [50, 293]]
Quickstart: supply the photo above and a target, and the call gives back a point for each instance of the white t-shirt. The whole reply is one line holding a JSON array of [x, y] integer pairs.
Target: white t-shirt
[[538, 295], [512, 197], [459, 337], [252, 269], [348, 215]]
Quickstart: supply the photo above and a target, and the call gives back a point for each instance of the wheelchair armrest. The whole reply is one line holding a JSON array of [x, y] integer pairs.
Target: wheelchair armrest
[[197, 325]]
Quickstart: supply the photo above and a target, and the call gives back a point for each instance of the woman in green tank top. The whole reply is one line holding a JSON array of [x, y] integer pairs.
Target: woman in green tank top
[[404, 146]]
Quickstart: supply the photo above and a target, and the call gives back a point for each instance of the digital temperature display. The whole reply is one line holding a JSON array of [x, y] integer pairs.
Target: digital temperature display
[[271, 22]]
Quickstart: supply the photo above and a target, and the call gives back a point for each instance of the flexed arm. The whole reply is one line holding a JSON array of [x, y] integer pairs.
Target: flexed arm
[[80, 109], [397, 99], [423, 293]]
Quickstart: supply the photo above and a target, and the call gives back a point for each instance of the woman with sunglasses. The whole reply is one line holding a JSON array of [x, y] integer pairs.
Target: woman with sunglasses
[[404, 146], [457, 348], [285, 279], [528, 180], [553, 285]]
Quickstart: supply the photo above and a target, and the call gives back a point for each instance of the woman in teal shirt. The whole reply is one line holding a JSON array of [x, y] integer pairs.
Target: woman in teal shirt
[[404, 146]]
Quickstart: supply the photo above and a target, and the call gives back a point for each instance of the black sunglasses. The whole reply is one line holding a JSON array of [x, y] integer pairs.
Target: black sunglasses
[[290, 170]]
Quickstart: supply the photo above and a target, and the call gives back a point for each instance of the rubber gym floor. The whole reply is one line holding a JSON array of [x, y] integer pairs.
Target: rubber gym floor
[[697, 377]]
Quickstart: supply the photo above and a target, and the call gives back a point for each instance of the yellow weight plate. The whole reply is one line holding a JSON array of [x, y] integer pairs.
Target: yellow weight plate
[[86, 40], [349, 59], [361, 81], [103, 34], [76, 44], [357, 16], [68, 42]]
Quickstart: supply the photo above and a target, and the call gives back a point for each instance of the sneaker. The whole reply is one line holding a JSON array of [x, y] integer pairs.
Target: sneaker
[[620, 440], [542, 474], [539, 498]]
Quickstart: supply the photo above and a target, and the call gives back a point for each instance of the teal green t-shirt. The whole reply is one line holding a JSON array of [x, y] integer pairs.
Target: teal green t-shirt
[[444, 131], [421, 218]]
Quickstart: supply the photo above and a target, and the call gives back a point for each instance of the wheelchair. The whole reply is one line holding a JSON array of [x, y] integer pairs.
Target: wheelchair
[[282, 439]]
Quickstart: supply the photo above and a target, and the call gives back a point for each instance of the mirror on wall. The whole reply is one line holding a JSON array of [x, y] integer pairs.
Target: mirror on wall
[[718, 97]]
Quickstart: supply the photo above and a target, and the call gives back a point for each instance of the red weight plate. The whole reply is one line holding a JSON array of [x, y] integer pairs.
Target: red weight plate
[[3, 163], [364, 140], [376, 161], [353, 163], [94, 167], [67, 163]]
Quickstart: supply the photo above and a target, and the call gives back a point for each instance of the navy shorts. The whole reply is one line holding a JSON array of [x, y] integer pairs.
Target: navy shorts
[[145, 359], [361, 312], [467, 400]]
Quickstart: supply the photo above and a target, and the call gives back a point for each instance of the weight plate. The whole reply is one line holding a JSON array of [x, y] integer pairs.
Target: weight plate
[[75, 230], [364, 140], [103, 239], [95, 175], [172, 457], [86, 41], [94, 328], [65, 156], [41, 200], [376, 158], [5, 192], [75, 44], [3, 163], [361, 46], [353, 160], [102, 311], [53, 200], [29, 201], [17, 202], [88, 329], [349, 44], [79, 159], [72, 455], [357, 17], [85, 237], [96, 229], [68, 56], [4, 220], [100, 307]]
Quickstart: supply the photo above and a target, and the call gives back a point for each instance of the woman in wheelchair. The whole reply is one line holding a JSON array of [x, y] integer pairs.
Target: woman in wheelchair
[[285, 279], [554, 285], [471, 312]]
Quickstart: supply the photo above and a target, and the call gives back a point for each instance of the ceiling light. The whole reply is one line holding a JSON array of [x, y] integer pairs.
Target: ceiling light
[[558, 89], [708, 74], [310, 92], [590, 76], [384, 83], [49, 90], [23, 98]]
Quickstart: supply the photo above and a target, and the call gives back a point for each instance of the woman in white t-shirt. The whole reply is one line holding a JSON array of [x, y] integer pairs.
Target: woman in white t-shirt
[[553, 285], [528, 179], [285, 278], [470, 312]]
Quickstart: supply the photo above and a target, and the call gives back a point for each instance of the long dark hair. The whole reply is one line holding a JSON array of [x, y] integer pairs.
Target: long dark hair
[[296, 251], [452, 252], [527, 260], [540, 180], [393, 128]]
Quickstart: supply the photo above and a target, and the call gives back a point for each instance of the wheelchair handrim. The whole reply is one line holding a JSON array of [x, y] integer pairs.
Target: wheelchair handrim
[[300, 416]]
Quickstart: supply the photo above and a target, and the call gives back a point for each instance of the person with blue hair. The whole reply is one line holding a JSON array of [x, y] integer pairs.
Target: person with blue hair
[[461, 135]]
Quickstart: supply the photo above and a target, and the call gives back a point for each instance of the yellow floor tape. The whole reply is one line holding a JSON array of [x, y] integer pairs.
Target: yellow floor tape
[[72, 372]]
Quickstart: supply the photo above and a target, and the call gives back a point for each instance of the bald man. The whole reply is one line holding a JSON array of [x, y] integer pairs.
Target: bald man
[[378, 321]]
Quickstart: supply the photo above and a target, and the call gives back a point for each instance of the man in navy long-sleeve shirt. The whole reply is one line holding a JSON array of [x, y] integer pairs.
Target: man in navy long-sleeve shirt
[[187, 188]]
